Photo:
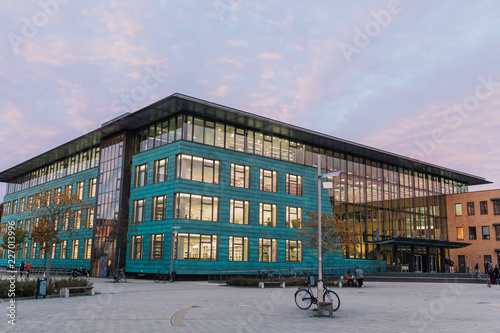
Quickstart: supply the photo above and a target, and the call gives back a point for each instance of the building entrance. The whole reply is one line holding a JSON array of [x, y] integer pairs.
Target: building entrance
[[418, 263], [432, 264]]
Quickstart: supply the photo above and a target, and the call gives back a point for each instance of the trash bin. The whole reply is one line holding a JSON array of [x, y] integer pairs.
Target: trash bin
[[41, 287], [311, 280]]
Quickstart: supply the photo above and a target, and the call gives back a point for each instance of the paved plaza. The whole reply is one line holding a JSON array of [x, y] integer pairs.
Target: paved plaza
[[144, 306]]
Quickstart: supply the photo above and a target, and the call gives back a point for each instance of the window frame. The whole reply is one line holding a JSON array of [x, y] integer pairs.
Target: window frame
[[273, 246], [458, 209], [195, 162], [160, 173], [235, 180], [460, 233], [274, 214], [196, 240], [486, 236], [483, 207], [273, 177], [136, 247], [470, 209], [141, 175], [472, 233], [156, 214], [245, 245], [190, 211], [233, 209], [288, 219], [289, 249], [156, 247], [297, 182], [139, 210]]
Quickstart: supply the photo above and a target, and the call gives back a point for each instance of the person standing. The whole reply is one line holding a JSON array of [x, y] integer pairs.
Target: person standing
[[21, 268], [496, 271], [452, 270], [359, 277], [486, 266], [28, 269], [446, 264]]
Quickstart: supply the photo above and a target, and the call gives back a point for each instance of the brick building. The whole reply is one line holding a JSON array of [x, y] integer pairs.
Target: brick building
[[474, 218]]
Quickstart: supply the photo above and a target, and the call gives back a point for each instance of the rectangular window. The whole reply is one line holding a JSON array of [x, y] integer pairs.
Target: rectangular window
[[293, 251], [458, 209], [33, 250], [92, 187], [90, 218], [470, 209], [293, 184], [156, 247], [483, 206], [160, 171], [496, 207], [486, 232], [268, 180], [195, 247], [159, 207], [141, 174], [238, 211], [87, 251], [197, 168], [63, 249], [14, 207], [68, 188], [22, 203], [77, 219], [293, 217], [196, 207], [138, 211], [460, 233], [6, 209], [268, 215], [240, 175], [80, 186], [268, 250], [472, 233], [238, 248], [136, 247], [497, 232], [75, 244]]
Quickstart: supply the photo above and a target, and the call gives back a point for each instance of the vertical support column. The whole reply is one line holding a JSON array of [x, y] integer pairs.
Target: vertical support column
[[378, 258], [396, 257], [412, 260]]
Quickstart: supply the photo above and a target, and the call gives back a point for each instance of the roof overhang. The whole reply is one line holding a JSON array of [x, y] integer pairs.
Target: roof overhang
[[178, 102], [418, 242]]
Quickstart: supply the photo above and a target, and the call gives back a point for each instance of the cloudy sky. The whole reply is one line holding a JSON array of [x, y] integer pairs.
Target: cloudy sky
[[417, 78]]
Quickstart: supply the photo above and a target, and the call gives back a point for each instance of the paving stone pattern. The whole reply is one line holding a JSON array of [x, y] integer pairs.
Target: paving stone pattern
[[144, 306]]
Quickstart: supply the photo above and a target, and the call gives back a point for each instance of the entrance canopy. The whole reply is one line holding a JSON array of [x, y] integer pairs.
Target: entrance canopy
[[418, 242]]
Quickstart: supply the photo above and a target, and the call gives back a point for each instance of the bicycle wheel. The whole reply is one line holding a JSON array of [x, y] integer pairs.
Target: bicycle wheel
[[332, 297], [164, 278], [303, 299], [122, 278], [157, 278], [112, 278]]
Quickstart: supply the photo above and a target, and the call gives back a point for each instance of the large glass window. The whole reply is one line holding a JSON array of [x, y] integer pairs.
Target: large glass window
[[293, 184], [238, 211], [486, 232], [22, 203], [6, 209], [77, 219], [196, 247], [136, 243], [293, 251], [92, 187], [268, 215], [238, 248], [156, 247], [268, 180], [470, 209], [240, 175], [483, 206], [460, 233], [196, 207], [141, 174], [497, 232], [14, 207], [458, 209], [89, 220], [87, 250], [197, 168], [268, 250], [159, 208], [472, 233], [293, 217], [75, 246], [496, 207], [63, 249], [80, 188], [160, 170], [138, 211]]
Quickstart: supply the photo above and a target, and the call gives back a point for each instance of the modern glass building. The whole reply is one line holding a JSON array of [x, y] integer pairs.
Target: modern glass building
[[209, 188]]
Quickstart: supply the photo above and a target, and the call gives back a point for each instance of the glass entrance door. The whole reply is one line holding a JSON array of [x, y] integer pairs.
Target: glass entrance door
[[418, 263], [432, 263]]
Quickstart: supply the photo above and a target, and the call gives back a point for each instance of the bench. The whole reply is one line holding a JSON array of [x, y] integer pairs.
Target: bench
[[263, 283], [64, 292]]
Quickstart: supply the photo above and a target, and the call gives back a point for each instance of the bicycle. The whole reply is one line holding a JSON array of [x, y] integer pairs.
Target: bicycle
[[304, 297], [160, 277], [488, 281], [118, 276]]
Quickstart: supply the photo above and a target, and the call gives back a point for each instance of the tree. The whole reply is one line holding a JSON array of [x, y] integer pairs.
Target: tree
[[337, 234], [55, 212], [15, 239]]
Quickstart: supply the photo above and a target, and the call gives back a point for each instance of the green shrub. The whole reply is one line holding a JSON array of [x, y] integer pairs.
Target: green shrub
[[27, 288]]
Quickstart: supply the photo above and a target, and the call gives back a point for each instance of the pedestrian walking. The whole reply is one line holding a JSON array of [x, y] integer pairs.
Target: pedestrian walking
[[359, 276], [28, 269], [496, 271], [21, 268]]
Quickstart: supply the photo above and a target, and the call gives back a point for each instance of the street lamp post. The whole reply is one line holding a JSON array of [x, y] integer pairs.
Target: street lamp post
[[172, 237], [320, 236]]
